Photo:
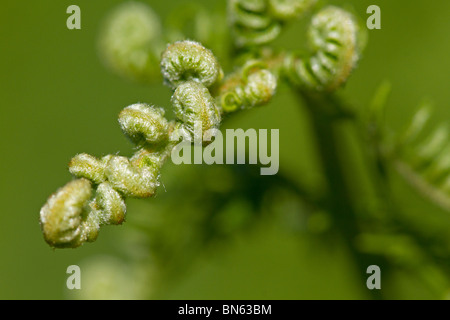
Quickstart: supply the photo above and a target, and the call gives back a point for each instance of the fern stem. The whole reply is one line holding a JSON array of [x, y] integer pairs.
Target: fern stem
[[333, 151]]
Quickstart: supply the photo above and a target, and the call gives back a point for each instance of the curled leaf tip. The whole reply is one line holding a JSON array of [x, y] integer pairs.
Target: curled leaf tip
[[111, 203], [192, 102], [251, 86], [251, 23], [333, 37], [61, 217], [131, 180], [189, 60], [131, 40], [144, 124]]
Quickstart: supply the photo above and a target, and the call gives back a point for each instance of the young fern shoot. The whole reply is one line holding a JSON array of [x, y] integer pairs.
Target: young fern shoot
[[75, 213], [201, 94], [333, 38]]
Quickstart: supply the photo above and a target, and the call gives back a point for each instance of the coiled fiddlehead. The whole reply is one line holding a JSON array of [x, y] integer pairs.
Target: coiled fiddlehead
[[193, 102], [250, 86], [189, 60], [144, 125], [61, 216], [136, 177], [131, 40], [70, 217], [258, 22], [75, 213], [190, 69], [333, 37]]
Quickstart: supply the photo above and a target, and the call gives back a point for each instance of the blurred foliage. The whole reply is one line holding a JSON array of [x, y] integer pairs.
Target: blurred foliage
[[252, 238]]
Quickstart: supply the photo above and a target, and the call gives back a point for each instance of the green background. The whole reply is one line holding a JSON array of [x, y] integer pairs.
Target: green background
[[57, 100]]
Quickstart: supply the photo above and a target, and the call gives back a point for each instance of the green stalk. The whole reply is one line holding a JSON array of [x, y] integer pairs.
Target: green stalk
[[335, 155]]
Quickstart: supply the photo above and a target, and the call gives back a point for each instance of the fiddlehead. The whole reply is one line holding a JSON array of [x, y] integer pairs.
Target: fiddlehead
[[192, 102], [136, 177], [70, 217], [333, 37], [129, 44], [144, 125], [258, 22], [250, 86], [76, 212], [62, 216], [190, 69], [111, 203], [189, 60], [86, 166], [251, 25], [131, 40]]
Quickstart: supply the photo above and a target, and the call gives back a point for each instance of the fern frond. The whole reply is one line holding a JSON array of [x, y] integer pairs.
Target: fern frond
[[424, 159], [259, 22]]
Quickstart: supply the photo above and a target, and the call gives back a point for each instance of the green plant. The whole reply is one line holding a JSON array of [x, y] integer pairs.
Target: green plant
[[131, 42]]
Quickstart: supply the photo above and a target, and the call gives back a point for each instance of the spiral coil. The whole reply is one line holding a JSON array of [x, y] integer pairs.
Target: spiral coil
[[258, 22], [333, 37], [201, 95], [250, 86], [75, 213], [131, 40]]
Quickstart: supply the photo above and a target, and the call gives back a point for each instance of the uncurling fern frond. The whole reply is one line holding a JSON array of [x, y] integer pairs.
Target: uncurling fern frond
[[349, 195], [258, 22], [75, 213], [333, 38], [131, 42], [202, 93], [250, 86]]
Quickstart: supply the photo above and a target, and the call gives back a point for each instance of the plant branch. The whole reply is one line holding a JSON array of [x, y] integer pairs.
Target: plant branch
[[333, 153]]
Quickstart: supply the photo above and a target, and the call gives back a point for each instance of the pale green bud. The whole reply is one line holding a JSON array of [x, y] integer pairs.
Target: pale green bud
[[86, 166], [133, 180], [260, 88], [192, 102], [131, 40], [62, 216], [90, 226], [253, 87], [111, 204], [144, 124], [188, 60], [251, 23], [333, 36]]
